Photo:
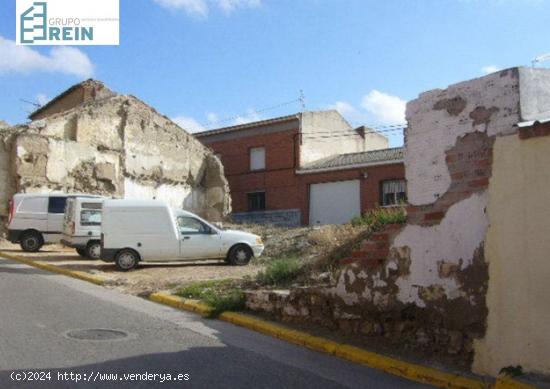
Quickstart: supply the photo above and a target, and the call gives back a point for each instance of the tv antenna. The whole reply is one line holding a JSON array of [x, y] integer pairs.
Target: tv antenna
[[540, 58], [302, 100]]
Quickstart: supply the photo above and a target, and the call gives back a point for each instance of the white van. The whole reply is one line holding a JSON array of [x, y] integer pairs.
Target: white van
[[149, 230], [37, 219], [82, 226]]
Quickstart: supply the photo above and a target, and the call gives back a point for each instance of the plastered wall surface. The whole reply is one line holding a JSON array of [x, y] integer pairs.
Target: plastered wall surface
[[442, 245], [437, 118], [433, 280], [327, 133], [114, 146], [518, 252]]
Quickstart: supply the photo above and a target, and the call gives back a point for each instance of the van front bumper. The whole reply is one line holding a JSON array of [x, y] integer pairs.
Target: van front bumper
[[72, 245], [108, 255], [13, 235], [258, 250]]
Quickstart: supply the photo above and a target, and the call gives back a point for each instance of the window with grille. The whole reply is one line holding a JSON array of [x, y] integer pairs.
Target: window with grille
[[256, 201], [394, 192]]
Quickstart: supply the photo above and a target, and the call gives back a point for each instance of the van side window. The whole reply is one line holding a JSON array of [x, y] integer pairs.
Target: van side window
[[190, 225], [57, 205], [33, 205], [89, 217]]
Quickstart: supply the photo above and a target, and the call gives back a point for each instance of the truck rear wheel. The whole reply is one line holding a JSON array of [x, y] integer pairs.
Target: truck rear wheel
[[31, 241], [126, 260], [93, 249]]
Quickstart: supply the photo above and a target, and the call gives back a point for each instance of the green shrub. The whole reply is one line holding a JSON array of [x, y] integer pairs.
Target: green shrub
[[377, 217], [230, 300], [280, 271], [222, 295]]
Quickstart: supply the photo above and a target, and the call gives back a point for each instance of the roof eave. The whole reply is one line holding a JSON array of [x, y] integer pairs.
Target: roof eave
[[349, 167], [246, 126]]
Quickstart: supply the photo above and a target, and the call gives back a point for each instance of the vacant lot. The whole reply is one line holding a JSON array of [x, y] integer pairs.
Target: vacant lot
[[147, 278], [304, 244]]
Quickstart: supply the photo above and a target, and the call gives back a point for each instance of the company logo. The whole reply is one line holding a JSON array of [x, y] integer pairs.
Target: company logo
[[67, 22]]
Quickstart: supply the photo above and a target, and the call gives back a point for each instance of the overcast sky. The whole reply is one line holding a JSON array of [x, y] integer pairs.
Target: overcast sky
[[213, 63]]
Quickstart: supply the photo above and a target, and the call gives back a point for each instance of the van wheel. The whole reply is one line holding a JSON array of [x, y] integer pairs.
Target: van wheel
[[93, 249], [240, 255], [81, 252], [31, 241], [126, 260]]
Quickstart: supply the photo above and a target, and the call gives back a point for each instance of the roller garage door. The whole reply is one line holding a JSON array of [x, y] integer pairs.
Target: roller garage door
[[334, 202]]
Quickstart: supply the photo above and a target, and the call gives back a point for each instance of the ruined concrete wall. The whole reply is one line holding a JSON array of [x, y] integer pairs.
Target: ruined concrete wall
[[86, 91], [119, 146], [327, 133], [518, 252], [7, 180], [436, 269]]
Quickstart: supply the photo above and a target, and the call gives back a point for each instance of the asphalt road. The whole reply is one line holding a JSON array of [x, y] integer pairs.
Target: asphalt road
[[38, 311]]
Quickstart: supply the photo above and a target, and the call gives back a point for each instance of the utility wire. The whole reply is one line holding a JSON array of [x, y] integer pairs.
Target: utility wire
[[227, 119], [301, 100]]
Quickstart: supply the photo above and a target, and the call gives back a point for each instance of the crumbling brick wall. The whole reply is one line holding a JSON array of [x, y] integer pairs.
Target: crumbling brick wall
[[425, 284], [114, 146]]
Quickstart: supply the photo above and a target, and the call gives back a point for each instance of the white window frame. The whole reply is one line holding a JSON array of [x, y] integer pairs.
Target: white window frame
[[257, 158], [395, 182]]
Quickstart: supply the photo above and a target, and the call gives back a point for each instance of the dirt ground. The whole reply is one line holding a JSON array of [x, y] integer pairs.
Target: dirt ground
[[304, 242], [147, 278]]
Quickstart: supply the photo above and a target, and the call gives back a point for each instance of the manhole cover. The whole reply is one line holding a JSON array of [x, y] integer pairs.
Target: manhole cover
[[97, 334]]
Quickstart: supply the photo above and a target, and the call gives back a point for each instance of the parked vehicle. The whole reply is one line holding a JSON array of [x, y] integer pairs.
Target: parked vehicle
[[137, 230], [37, 218], [82, 226]]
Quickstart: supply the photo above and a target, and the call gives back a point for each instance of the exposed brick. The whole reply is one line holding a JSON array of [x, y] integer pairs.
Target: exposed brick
[[377, 245], [457, 176], [482, 182], [434, 215], [483, 163], [358, 254], [534, 131], [347, 261], [379, 237], [451, 158], [393, 227]]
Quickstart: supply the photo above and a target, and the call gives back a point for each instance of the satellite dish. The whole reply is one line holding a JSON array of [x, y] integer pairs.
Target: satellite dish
[[540, 58]]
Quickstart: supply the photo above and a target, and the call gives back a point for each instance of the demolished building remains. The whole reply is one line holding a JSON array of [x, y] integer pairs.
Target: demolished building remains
[[90, 139]]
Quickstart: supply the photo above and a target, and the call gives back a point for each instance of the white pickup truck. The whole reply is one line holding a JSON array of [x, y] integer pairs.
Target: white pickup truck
[[150, 230]]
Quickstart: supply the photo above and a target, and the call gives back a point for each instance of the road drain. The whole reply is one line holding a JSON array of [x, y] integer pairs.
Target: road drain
[[97, 334]]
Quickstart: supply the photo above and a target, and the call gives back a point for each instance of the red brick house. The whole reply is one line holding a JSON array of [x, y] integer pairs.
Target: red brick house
[[307, 168]]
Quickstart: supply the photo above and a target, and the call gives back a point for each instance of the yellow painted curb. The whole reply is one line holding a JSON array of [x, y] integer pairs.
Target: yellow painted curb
[[56, 269], [180, 303], [509, 383], [393, 366]]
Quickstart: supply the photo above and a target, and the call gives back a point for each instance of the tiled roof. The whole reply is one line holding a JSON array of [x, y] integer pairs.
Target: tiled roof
[[246, 125], [89, 81], [343, 161]]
